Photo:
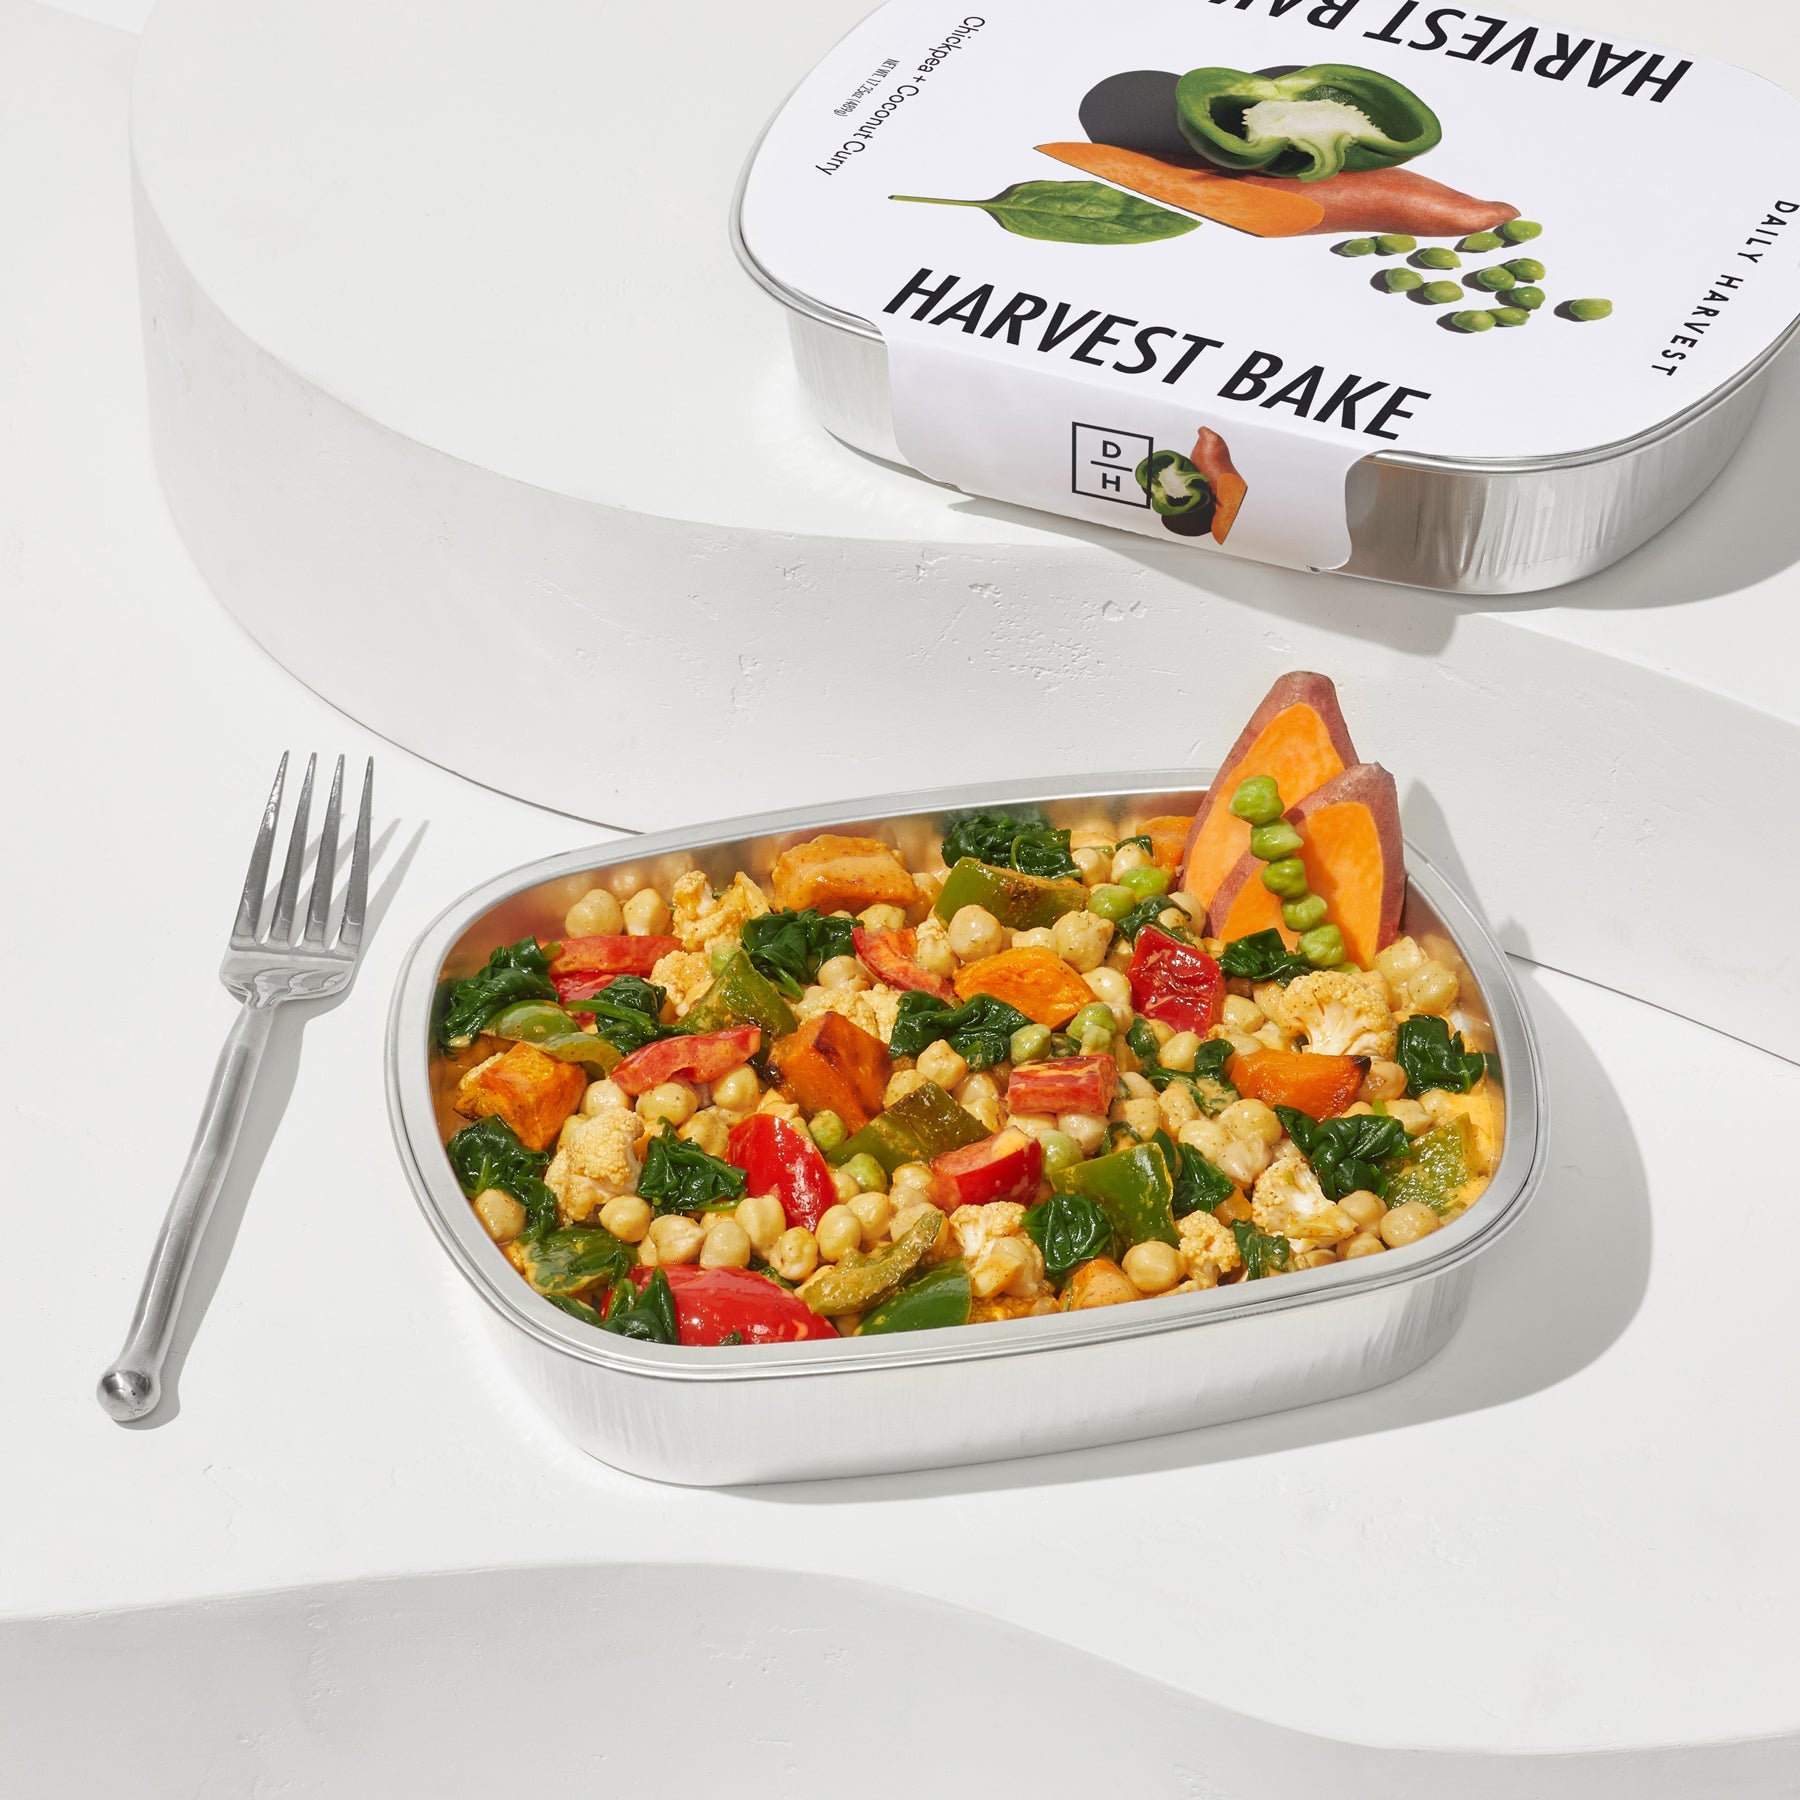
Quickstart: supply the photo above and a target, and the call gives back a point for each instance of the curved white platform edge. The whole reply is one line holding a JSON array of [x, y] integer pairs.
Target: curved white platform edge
[[666, 1679]]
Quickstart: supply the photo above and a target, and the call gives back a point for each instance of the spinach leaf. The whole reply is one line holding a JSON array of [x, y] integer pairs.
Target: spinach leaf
[[488, 1155], [576, 1309], [1433, 1056], [563, 1263], [1263, 957], [1346, 1152], [681, 1177], [1024, 840], [513, 973], [978, 1031], [1199, 1187], [1073, 212], [646, 1313], [1142, 840], [1070, 1229], [788, 947], [632, 991], [1149, 912], [1263, 1253], [626, 1015]]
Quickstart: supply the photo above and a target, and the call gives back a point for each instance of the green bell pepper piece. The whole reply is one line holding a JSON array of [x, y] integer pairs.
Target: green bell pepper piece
[[1019, 902], [1309, 125], [1437, 1168], [938, 1297], [578, 1257], [740, 995], [1133, 1188], [551, 1030], [1174, 485], [923, 1125], [853, 1286]]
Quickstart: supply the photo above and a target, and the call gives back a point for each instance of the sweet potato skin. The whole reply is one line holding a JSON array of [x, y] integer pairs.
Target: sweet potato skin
[[832, 1064], [1213, 459], [531, 1092], [1393, 200], [841, 874], [1038, 982]]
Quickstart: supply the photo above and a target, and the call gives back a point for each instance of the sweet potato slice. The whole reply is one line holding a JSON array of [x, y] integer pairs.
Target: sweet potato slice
[[1168, 837], [831, 1064], [1038, 982], [1297, 735], [1213, 460], [531, 1092], [1355, 862], [1197, 187], [1391, 200], [1320, 1086], [837, 874]]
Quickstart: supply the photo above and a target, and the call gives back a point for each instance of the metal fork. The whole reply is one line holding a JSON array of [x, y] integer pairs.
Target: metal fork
[[262, 971]]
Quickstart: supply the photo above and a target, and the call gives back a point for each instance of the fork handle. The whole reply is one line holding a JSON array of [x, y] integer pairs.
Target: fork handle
[[133, 1385]]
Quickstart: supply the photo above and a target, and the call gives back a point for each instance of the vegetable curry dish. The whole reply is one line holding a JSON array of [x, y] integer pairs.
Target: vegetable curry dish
[[1046, 1071]]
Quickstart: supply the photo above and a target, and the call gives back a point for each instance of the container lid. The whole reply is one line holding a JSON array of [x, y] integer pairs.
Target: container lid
[[1177, 269]]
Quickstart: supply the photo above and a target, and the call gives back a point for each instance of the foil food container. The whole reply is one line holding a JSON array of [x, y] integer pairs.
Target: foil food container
[[713, 1417]]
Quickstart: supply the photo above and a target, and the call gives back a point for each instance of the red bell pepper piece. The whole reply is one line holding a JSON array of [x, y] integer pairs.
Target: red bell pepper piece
[[1078, 1084], [781, 1159], [610, 955], [889, 955], [1006, 1166], [573, 988], [710, 1304], [702, 1058], [1175, 982]]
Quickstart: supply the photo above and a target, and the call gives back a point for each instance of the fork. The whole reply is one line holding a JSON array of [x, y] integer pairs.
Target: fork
[[261, 970]]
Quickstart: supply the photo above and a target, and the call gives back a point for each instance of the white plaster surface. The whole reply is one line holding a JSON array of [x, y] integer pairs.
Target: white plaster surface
[[1568, 1538]]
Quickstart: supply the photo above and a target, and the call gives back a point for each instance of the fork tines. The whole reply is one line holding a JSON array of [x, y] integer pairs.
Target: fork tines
[[318, 909]]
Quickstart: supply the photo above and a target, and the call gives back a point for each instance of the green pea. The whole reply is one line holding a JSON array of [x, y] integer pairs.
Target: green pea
[[1511, 315], [1395, 243], [1303, 915], [1146, 882], [867, 1173], [1435, 256], [1060, 1151], [1401, 281], [1258, 800], [1472, 321], [1439, 293], [1028, 1043], [1286, 878], [1531, 298], [1354, 247], [1093, 1025], [1111, 900], [1589, 309], [1516, 231], [1525, 269], [1269, 843], [1323, 948], [1477, 241], [1491, 279], [828, 1130]]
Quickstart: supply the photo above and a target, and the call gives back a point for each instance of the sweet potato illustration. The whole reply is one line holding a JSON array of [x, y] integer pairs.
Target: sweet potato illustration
[[1213, 460]]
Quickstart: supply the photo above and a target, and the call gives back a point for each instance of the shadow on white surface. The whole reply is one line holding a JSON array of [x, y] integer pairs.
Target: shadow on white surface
[[662, 1680]]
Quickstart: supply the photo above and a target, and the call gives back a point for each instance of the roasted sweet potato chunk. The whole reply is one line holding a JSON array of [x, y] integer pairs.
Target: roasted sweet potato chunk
[[533, 1093], [841, 874], [831, 1064], [1038, 982]]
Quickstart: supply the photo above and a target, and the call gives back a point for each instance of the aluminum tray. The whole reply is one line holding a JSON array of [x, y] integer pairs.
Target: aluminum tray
[[1461, 525], [709, 1417]]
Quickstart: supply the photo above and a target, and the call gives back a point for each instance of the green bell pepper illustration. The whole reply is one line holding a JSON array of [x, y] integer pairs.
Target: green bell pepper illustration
[[1309, 125], [1174, 485]]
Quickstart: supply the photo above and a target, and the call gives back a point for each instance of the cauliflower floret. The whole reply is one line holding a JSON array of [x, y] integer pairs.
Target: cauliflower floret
[[686, 974], [777, 1105], [597, 1160], [1339, 1014], [884, 1003], [855, 1004], [1288, 1202], [979, 1228], [1208, 1250], [700, 918]]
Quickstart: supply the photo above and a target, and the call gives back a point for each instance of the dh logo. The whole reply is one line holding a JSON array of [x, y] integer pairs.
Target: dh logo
[[1103, 464]]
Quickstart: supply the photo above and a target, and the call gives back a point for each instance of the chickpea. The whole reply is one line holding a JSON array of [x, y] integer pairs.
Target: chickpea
[[874, 1209], [1188, 906], [845, 1185], [726, 1245], [843, 973], [1207, 1136], [646, 913], [881, 918], [708, 1130], [1433, 988], [1243, 1159], [1384, 1081], [1040, 938], [1399, 960], [501, 1216], [1134, 1087], [602, 1096], [1269, 998], [1034, 1125], [1087, 1129], [1109, 985], [911, 1175], [1161, 1030], [1411, 1115], [763, 1221], [975, 932], [671, 1100], [795, 1255], [595, 914], [1315, 1259], [939, 1063], [901, 1083], [1243, 1015], [1092, 864], [1365, 1208], [1178, 1107], [737, 1092], [847, 1324], [1118, 955], [1252, 1119], [1143, 1116], [1271, 1037], [1081, 940], [1003, 1267], [567, 1130], [932, 951], [1407, 1224], [1234, 1210], [1439, 1106], [675, 1238], [1244, 1046], [1179, 1052], [626, 1217], [1153, 1268], [1129, 856], [840, 1232], [1365, 1243], [980, 1095]]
